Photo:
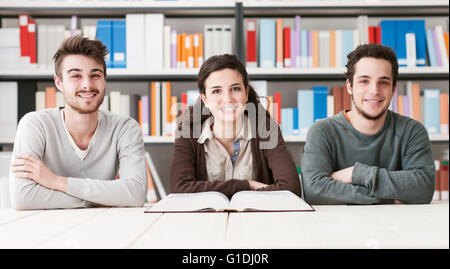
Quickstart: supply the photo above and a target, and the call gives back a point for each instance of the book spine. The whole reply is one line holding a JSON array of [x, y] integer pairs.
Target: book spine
[[287, 47], [251, 43]]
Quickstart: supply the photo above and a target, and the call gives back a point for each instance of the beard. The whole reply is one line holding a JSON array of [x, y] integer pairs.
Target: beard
[[91, 108], [367, 116]]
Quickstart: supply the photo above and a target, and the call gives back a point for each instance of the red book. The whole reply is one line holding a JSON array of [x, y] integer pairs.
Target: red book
[[444, 180], [378, 34], [277, 108], [251, 43], [287, 46], [337, 93], [346, 99], [183, 101], [32, 41], [24, 43], [372, 38]]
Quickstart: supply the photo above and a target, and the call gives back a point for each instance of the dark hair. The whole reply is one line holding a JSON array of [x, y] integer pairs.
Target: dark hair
[[374, 51], [226, 61], [82, 46]]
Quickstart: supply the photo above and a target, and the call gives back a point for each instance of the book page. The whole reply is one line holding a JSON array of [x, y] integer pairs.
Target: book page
[[268, 201], [188, 202]]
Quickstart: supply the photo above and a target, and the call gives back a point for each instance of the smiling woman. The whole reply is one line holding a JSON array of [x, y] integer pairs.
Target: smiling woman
[[232, 144]]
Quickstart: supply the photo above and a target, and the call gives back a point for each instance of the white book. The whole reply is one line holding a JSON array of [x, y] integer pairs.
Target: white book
[[42, 44], [260, 87], [437, 193], [167, 47], [411, 50], [324, 48], [208, 41], [59, 99], [363, 26], [114, 98], [9, 37], [8, 109], [227, 39], [154, 35], [338, 47], [441, 43], [40, 100], [105, 104], [90, 31], [409, 95], [125, 104], [135, 43], [51, 44], [330, 105], [249, 201], [356, 39], [217, 39], [10, 57]]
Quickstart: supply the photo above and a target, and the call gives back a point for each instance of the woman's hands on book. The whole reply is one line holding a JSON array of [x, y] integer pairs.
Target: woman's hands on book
[[254, 185]]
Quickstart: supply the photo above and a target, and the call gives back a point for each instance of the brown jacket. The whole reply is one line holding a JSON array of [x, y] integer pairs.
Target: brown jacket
[[274, 167]]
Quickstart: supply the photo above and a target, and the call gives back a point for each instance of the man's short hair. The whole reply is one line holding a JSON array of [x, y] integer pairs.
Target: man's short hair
[[373, 51], [81, 46]]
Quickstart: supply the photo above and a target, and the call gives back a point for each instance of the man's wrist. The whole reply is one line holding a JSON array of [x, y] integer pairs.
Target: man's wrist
[[61, 184]]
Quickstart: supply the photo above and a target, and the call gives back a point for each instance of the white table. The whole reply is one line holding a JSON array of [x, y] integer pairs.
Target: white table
[[378, 226]]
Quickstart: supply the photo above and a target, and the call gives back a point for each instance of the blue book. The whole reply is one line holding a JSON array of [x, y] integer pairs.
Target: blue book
[[267, 42], [305, 105], [119, 40], [347, 44], [418, 28], [192, 97], [388, 37], [430, 47], [401, 29], [287, 116], [431, 110], [296, 130], [104, 34], [320, 102]]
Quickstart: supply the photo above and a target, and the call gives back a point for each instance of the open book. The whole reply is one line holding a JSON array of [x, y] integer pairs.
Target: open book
[[248, 201]]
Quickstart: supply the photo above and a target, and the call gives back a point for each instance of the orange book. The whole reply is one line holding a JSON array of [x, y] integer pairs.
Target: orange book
[[168, 118], [315, 48], [140, 112], [443, 98], [153, 108], [179, 51], [446, 42], [400, 107], [270, 105], [338, 99], [346, 99], [279, 44], [189, 45], [50, 97], [332, 48], [198, 50], [184, 56], [416, 101], [151, 191]]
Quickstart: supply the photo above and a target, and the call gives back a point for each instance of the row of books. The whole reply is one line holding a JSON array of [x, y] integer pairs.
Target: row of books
[[442, 179], [139, 41], [428, 106], [272, 44]]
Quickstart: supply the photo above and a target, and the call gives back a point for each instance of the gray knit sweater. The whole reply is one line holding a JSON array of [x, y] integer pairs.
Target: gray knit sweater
[[394, 164], [116, 147]]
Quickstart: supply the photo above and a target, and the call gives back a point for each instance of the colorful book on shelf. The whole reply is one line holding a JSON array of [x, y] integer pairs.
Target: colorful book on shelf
[[119, 52], [267, 44], [430, 48], [305, 105], [277, 106], [338, 99], [104, 34], [415, 99], [320, 102], [279, 43], [441, 45], [304, 48], [298, 41], [32, 41], [315, 48], [432, 111], [50, 97], [24, 38], [287, 121], [293, 47], [444, 121], [251, 43], [418, 28], [444, 184], [287, 47]]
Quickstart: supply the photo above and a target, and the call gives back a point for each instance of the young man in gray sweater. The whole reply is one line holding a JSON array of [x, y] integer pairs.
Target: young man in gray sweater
[[368, 155], [69, 157]]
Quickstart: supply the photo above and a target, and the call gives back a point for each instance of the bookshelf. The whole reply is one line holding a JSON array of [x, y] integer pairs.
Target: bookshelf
[[324, 14]]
